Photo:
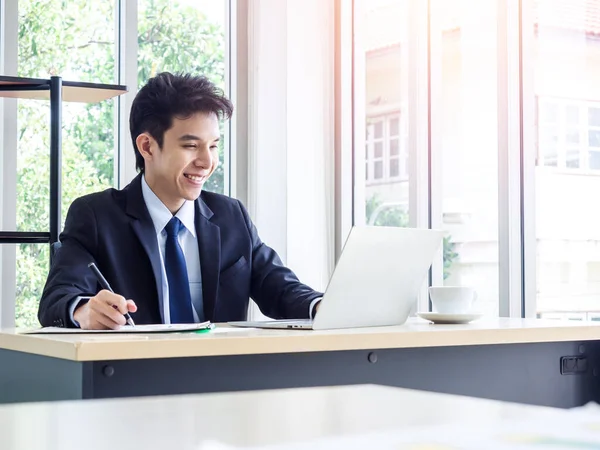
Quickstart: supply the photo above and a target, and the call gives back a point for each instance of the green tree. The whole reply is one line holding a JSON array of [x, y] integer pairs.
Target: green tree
[[72, 40], [33, 260], [397, 216], [178, 38], [385, 216]]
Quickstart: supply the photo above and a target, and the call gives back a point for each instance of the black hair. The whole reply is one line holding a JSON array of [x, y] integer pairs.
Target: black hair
[[167, 96]]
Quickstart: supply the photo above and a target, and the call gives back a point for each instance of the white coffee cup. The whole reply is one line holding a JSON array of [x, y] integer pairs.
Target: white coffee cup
[[452, 299]]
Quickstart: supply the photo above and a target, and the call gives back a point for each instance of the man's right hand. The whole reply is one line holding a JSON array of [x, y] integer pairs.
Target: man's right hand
[[104, 311]]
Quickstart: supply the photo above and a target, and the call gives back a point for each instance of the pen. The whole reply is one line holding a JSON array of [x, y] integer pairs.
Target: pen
[[106, 286]]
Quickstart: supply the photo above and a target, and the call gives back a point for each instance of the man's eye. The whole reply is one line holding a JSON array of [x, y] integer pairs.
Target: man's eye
[[214, 147], [190, 146]]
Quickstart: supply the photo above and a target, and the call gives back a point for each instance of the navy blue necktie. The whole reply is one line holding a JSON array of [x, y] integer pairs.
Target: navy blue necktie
[[180, 300]]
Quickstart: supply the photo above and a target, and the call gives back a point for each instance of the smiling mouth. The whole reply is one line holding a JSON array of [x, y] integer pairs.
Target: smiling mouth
[[194, 178]]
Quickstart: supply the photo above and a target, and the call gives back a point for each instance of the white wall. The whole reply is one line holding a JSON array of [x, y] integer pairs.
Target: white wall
[[310, 144], [291, 132]]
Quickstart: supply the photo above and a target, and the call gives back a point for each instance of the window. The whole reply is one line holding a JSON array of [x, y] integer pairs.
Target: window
[[386, 151], [550, 117], [569, 134], [464, 118], [381, 63], [567, 228], [68, 39]]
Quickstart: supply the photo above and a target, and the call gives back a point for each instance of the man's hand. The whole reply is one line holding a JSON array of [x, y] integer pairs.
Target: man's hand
[[104, 311]]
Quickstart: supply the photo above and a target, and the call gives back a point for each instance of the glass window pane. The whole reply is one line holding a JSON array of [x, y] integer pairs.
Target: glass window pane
[[394, 147], [394, 167], [594, 138], [33, 166], [33, 263], [466, 67], [61, 38], [184, 36], [594, 161], [76, 42], [567, 229], [594, 117], [378, 170], [550, 154], [378, 150], [382, 48], [572, 159]]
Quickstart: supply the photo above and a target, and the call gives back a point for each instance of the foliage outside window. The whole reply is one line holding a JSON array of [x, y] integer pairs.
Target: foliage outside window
[[69, 39]]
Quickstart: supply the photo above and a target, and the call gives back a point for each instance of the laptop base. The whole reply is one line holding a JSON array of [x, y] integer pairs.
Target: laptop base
[[299, 324]]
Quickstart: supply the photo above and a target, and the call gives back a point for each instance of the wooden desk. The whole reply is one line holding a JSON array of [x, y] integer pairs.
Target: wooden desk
[[283, 417], [505, 359]]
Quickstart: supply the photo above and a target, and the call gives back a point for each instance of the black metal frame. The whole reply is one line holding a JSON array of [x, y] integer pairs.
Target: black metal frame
[[55, 156], [24, 237], [54, 85]]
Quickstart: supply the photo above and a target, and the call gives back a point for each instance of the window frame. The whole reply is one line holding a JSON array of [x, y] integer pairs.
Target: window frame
[[126, 29], [424, 101], [416, 113], [386, 157], [9, 14]]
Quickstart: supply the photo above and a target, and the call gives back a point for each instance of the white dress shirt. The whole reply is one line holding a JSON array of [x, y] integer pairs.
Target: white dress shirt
[[188, 241]]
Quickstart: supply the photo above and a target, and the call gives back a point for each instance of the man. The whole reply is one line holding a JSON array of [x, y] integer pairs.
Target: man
[[171, 252]]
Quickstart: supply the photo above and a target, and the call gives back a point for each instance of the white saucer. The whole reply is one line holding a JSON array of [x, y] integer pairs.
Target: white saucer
[[440, 318]]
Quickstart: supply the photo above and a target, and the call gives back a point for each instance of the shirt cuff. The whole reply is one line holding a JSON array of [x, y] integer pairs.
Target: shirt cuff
[[311, 308], [73, 306]]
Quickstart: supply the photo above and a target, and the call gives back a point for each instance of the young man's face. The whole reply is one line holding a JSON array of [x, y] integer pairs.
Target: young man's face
[[189, 155]]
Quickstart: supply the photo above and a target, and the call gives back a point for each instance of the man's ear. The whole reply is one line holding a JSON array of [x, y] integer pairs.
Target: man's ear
[[144, 144]]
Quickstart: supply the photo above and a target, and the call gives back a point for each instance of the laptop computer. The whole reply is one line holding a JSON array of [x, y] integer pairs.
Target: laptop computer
[[376, 281]]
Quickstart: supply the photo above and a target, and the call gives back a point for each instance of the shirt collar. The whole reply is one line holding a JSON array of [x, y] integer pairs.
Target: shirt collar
[[161, 215]]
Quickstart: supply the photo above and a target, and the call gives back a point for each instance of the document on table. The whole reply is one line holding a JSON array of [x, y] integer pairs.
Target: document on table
[[158, 328]]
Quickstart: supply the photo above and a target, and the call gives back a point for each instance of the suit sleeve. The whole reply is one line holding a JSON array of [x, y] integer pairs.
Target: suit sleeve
[[69, 276], [275, 288]]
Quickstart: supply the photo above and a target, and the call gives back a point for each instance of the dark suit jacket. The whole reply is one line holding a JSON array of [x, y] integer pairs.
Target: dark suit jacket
[[113, 228]]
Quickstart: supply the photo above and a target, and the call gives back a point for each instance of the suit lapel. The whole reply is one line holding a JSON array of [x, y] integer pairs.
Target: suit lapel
[[144, 230], [209, 247]]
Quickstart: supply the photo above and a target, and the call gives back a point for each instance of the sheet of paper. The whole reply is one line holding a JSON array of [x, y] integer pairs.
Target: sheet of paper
[[159, 328]]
